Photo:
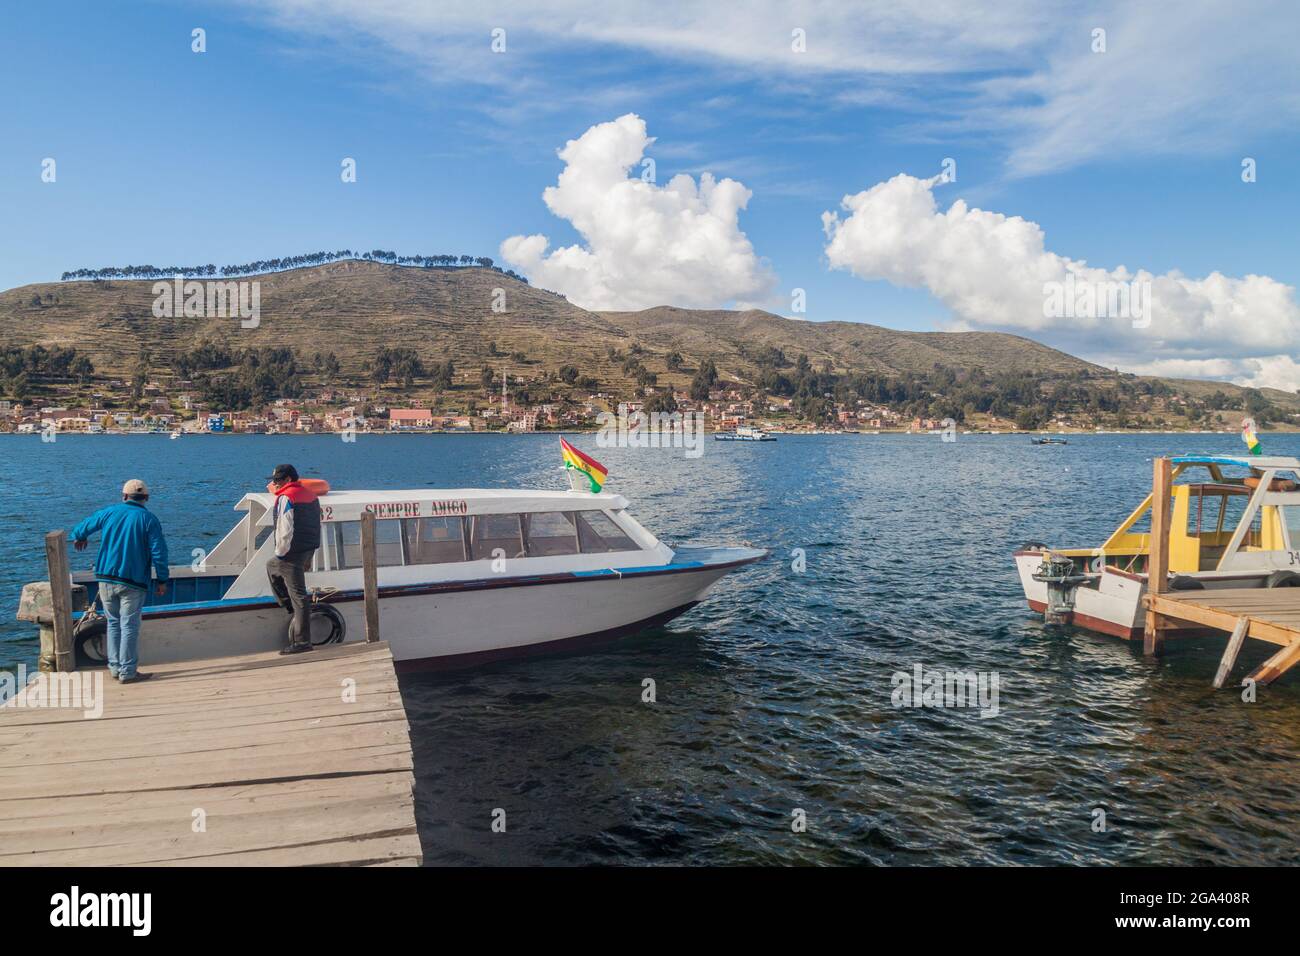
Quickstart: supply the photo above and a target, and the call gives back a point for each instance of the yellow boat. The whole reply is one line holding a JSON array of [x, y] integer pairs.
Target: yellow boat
[[1225, 532]]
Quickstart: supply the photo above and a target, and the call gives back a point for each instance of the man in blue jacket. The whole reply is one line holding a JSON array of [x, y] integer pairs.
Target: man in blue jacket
[[132, 540]]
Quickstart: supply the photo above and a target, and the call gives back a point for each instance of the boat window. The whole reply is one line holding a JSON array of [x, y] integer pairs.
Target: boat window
[[487, 533], [1291, 518], [1234, 506], [598, 533], [1204, 513], [388, 543], [550, 533], [434, 540]]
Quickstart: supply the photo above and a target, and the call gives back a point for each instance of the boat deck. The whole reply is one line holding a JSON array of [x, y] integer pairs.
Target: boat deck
[[1270, 614], [251, 760]]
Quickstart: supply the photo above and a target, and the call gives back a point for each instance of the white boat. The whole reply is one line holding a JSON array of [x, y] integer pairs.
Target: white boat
[[176, 433], [1225, 532], [744, 433], [465, 576]]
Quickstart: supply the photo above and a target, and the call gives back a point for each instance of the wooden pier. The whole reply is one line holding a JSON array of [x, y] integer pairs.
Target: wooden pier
[[255, 760], [238, 761], [1265, 614]]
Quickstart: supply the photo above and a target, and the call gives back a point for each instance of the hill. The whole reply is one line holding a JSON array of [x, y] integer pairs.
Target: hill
[[479, 317], [849, 346]]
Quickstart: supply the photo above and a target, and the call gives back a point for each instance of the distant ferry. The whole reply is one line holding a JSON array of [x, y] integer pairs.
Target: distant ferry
[[744, 433], [465, 576]]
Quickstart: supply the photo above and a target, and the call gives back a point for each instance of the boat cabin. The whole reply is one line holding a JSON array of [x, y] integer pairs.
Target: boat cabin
[[424, 536], [1218, 524]]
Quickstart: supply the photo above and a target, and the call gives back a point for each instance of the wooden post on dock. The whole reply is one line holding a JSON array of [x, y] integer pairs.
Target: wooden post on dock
[[1158, 552], [1230, 652], [370, 575], [56, 559]]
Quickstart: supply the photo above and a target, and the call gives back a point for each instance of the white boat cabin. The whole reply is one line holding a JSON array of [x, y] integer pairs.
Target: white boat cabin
[[444, 535]]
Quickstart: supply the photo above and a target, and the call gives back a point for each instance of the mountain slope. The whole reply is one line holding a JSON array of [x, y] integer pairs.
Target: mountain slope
[[354, 308], [848, 345]]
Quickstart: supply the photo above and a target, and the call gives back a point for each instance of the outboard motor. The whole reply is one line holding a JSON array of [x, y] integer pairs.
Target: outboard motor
[[1062, 580]]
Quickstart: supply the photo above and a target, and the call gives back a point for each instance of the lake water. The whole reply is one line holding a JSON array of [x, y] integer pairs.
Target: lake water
[[775, 695]]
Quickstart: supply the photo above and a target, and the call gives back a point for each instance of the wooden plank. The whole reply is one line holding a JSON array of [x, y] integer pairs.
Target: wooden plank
[[1158, 558], [343, 851], [370, 576], [175, 772], [404, 849], [287, 768], [1277, 665], [255, 742], [56, 559], [300, 700], [1220, 620], [1230, 652], [160, 806], [1261, 599], [154, 736], [147, 843], [93, 731]]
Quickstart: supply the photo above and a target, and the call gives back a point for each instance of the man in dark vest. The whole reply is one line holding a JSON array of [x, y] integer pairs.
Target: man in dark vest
[[296, 519]]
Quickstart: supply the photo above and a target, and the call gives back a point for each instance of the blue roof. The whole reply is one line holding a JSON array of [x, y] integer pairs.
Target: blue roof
[[1240, 461]]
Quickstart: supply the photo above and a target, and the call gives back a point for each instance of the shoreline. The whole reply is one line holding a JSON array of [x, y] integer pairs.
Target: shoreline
[[596, 431]]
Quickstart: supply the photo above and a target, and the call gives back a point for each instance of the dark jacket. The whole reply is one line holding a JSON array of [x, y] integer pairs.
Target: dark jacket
[[132, 539], [297, 520]]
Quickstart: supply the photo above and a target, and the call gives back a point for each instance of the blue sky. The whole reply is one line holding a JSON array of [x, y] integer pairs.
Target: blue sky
[[1128, 157]]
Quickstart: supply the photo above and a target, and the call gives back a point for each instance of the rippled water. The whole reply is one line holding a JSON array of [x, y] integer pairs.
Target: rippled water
[[775, 695]]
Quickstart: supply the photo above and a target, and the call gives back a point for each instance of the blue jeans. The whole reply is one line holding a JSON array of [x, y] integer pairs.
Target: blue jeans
[[122, 604]]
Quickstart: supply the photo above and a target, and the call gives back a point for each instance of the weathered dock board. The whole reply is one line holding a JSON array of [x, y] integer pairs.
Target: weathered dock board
[[251, 760]]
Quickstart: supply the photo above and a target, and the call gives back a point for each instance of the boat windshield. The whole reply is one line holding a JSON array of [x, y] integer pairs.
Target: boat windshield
[[453, 539]]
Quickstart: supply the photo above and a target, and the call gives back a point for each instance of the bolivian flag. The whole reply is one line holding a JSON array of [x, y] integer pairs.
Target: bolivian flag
[[1249, 437], [577, 461]]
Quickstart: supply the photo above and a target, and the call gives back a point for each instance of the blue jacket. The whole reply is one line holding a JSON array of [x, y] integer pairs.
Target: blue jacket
[[132, 538]]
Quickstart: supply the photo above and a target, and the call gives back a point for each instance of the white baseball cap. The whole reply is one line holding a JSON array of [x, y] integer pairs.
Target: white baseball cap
[[135, 487]]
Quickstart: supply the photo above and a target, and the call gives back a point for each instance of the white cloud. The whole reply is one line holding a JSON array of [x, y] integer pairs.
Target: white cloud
[[643, 244], [1174, 78], [993, 271], [1274, 371]]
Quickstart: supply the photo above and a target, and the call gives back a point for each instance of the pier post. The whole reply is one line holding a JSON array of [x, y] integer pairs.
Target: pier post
[[1158, 552], [370, 575], [1230, 652], [56, 558]]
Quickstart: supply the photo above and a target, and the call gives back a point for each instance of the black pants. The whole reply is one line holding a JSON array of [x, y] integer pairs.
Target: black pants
[[289, 584]]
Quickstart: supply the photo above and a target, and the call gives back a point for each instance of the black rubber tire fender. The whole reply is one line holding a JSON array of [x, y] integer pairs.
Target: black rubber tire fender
[[88, 633], [338, 627]]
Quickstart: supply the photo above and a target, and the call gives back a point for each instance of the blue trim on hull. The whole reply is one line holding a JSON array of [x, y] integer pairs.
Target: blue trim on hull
[[696, 559]]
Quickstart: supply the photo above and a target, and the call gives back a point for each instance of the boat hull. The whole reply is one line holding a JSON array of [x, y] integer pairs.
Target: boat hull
[[1114, 605], [456, 624]]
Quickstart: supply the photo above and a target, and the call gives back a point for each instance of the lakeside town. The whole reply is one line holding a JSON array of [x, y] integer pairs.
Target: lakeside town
[[332, 412], [342, 412]]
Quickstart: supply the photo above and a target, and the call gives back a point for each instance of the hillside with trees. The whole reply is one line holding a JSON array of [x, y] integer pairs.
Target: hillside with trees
[[396, 330]]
